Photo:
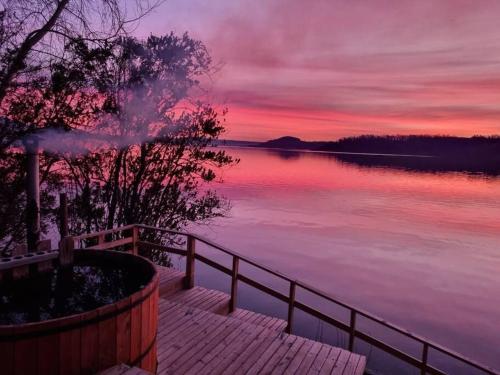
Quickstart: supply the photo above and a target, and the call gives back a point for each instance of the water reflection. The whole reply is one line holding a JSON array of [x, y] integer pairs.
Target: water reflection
[[416, 247], [479, 167]]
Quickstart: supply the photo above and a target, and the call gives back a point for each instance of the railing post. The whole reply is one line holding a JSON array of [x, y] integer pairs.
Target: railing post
[[234, 284], [291, 305], [352, 330], [66, 251], [135, 239], [425, 354], [22, 271], [189, 279]]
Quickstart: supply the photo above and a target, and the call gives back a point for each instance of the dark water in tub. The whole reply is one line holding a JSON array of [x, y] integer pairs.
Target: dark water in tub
[[88, 285]]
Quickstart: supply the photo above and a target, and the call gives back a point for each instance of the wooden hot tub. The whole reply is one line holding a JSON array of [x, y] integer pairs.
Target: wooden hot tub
[[86, 342]]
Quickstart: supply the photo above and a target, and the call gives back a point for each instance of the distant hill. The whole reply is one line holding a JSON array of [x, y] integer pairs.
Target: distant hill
[[423, 145], [292, 143]]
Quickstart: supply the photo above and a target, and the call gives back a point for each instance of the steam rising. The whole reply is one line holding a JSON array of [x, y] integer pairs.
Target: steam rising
[[78, 142]]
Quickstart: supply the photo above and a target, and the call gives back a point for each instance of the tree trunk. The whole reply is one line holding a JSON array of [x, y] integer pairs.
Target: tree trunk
[[18, 60]]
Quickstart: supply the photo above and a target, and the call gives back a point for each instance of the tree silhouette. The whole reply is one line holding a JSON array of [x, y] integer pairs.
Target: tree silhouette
[[147, 141], [34, 33]]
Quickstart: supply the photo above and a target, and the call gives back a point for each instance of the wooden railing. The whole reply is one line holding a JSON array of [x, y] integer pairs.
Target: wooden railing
[[351, 328]]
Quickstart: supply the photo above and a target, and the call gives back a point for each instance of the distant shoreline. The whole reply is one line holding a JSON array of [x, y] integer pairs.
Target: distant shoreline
[[328, 152], [409, 145], [474, 155]]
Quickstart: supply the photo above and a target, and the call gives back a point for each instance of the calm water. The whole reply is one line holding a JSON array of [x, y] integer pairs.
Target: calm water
[[419, 249]]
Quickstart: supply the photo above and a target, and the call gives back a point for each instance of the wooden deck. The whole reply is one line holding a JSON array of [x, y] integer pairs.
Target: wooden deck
[[256, 343], [197, 336]]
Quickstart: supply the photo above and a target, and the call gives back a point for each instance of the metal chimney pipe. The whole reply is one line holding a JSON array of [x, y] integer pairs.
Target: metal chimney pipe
[[32, 193], [63, 215]]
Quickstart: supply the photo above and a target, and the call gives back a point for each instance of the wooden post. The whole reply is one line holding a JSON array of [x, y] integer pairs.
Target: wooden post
[[291, 304], [352, 330], [63, 215], [44, 245], [234, 284], [66, 255], [190, 254], [425, 353], [21, 271], [135, 239]]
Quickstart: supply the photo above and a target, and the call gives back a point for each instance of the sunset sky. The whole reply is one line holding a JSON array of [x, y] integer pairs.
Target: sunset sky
[[323, 69]]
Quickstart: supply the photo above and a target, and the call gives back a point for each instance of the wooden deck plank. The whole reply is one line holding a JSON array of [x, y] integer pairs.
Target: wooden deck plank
[[252, 351], [350, 368], [215, 303], [289, 356], [165, 306], [233, 348], [200, 352], [264, 322], [178, 326], [309, 357], [177, 311], [271, 322], [320, 360], [166, 273], [170, 353], [186, 344], [256, 318], [210, 357], [278, 354], [299, 357], [341, 363], [193, 338], [213, 357], [188, 296], [327, 367], [262, 360], [201, 363], [201, 298], [169, 283], [165, 321], [360, 368], [259, 319], [181, 295], [278, 324], [196, 322], [264, 345], [239, 313]]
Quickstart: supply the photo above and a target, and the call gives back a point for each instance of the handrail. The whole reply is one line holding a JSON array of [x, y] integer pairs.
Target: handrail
[[351, 329], [208, 242], [103, 232]]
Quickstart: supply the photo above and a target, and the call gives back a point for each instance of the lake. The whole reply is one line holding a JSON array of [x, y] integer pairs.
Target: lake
[[419, 249]]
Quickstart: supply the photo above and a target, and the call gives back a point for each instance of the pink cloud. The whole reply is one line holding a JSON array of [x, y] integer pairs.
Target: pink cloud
[[335, 68]]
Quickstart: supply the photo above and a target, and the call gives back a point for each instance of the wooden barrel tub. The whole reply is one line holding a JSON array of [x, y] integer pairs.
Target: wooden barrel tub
[[88, 342]]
